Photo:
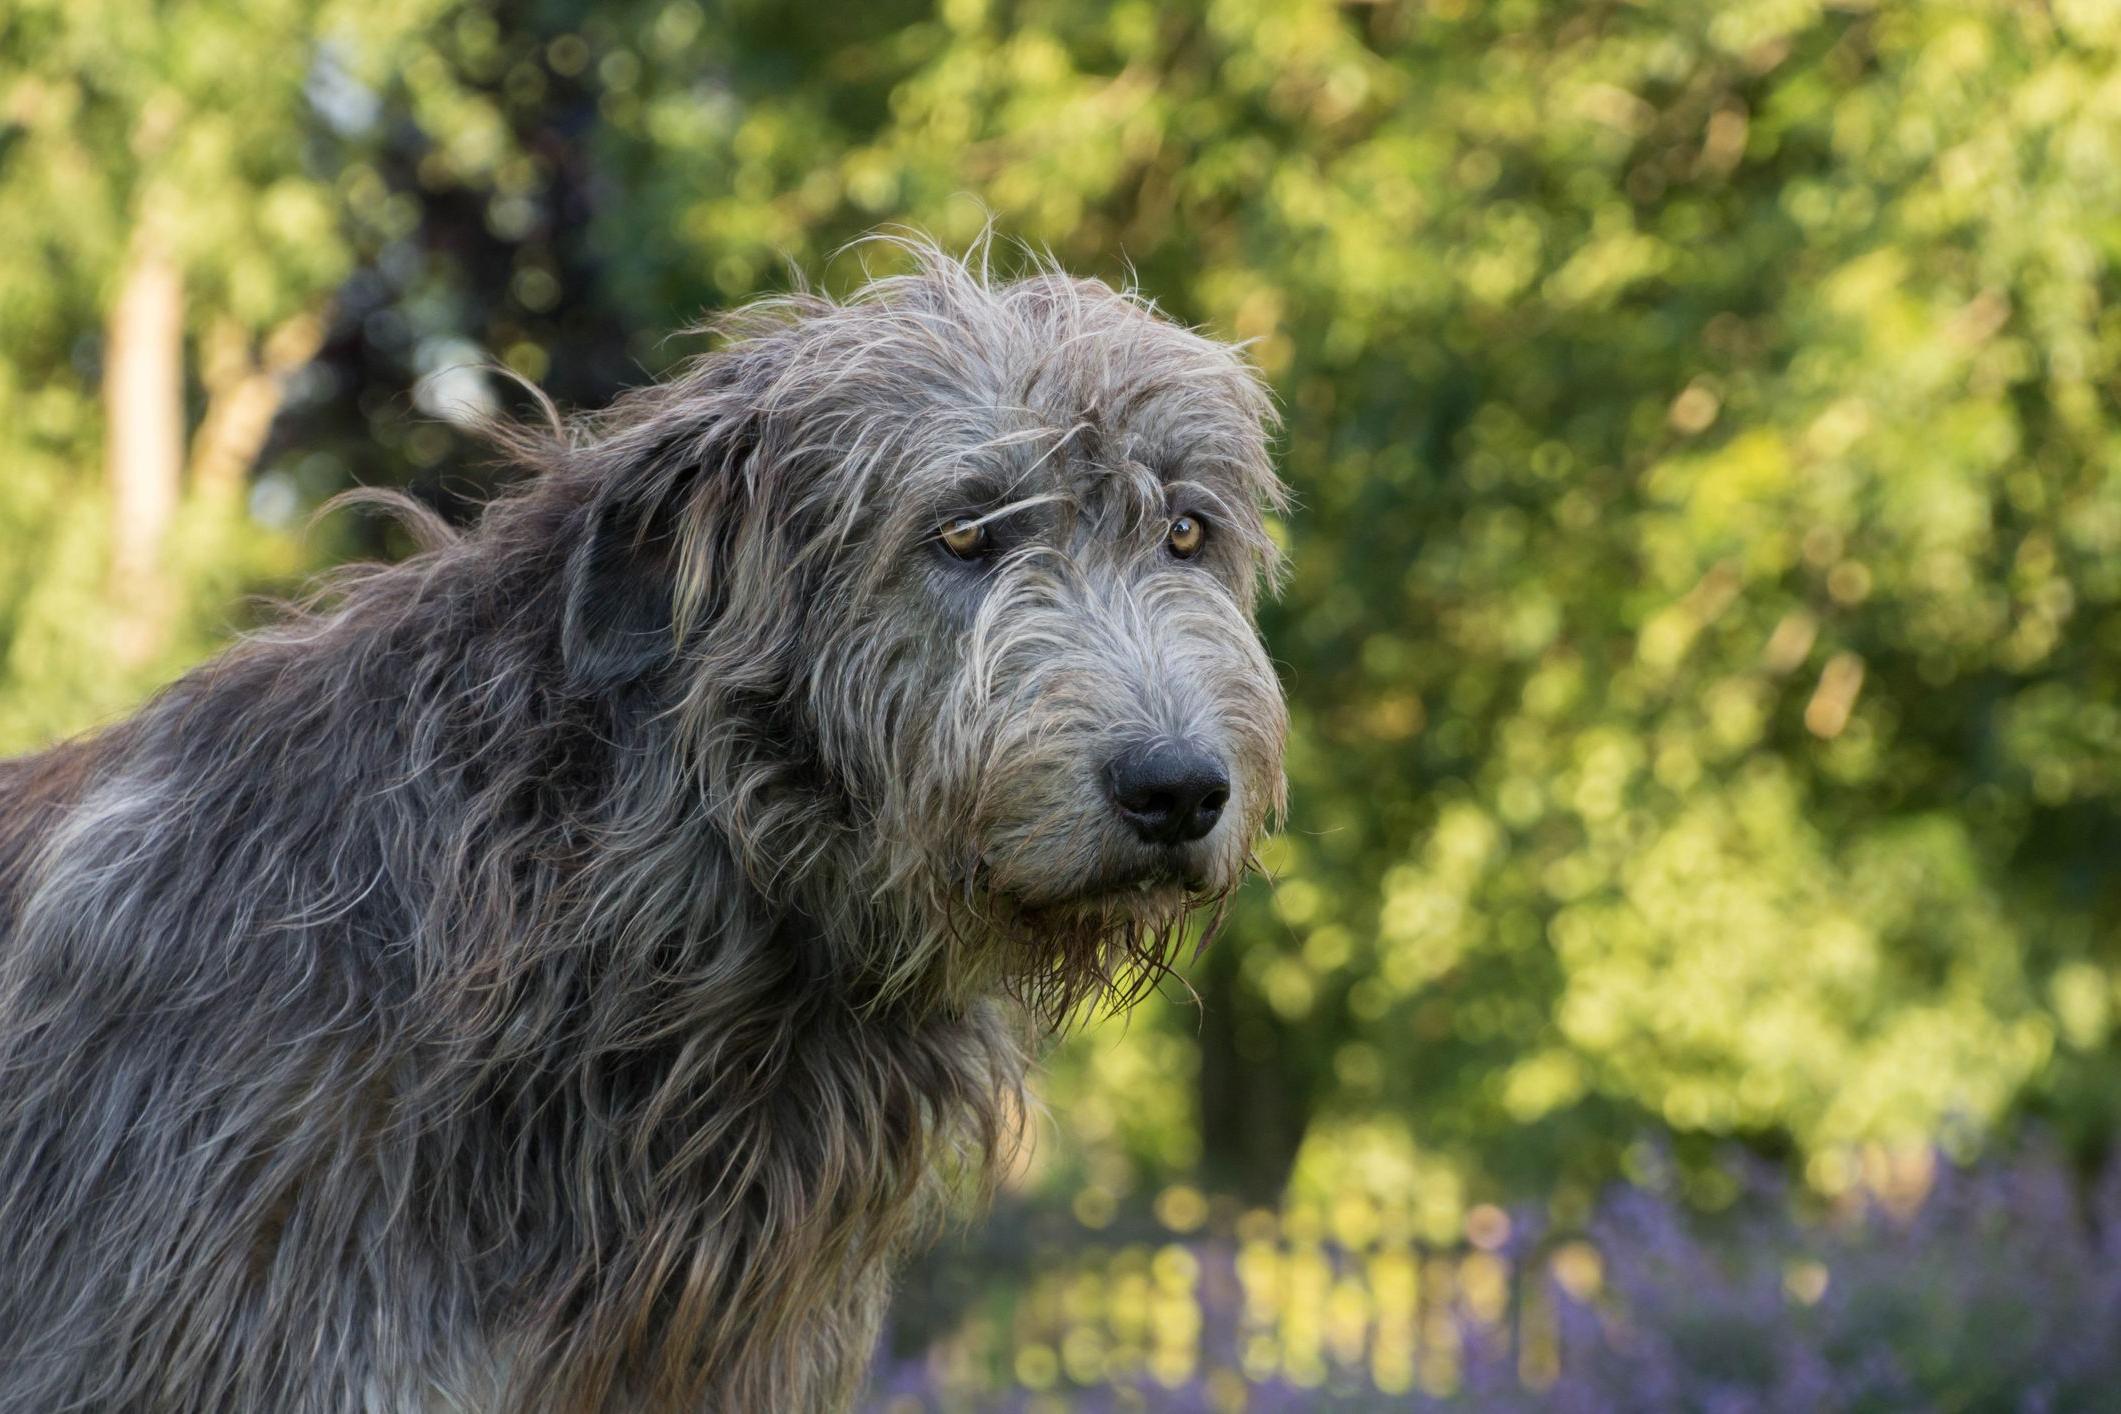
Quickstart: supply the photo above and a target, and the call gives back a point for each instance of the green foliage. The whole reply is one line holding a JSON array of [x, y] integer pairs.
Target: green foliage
[[1708, 566], [194, 121]]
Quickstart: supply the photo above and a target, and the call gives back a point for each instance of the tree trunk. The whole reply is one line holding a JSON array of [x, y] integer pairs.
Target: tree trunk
[[143, 403], [1255, 1086]]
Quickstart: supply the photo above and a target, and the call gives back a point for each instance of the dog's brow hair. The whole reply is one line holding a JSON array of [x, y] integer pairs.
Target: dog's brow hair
[[1017, 507]]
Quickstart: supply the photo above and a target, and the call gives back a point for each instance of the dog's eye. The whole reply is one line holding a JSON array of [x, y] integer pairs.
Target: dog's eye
[[963, 537], [1186, 536]]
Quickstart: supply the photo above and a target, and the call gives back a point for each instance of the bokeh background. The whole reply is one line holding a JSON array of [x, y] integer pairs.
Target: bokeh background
[[1690, 975]]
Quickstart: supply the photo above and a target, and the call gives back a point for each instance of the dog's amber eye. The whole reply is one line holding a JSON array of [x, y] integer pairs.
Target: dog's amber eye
[[963, 537], [1187, 535]]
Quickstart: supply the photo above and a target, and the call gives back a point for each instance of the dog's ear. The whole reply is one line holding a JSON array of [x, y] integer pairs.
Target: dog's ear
[[672, 519], [678, 493], [662, 479], [618, 625], [620, 620]]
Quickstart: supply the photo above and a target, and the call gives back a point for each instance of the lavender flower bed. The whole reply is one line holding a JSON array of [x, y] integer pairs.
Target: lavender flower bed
[[1998, 1288]]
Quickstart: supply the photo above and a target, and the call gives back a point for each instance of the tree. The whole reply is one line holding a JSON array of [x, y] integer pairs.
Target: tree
[[1704, 600], [1705, 611], [176, 231]]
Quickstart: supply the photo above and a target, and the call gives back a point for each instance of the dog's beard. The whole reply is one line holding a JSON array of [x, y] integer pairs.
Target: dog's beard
[[1078, 922], [1098, 952]]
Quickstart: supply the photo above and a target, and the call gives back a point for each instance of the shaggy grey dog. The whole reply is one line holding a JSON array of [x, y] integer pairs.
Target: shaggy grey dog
[[558, 972]]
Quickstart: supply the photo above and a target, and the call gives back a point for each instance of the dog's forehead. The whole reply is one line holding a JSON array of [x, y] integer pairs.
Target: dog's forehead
[[1050, 387], [1119, 428], [1101, 461]]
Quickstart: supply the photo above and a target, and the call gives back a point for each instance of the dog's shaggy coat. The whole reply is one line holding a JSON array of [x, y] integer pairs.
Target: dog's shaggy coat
[[557, 972]]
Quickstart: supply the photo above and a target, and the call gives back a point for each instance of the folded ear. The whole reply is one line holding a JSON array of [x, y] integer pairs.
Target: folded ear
[[619, 623], [678, 492]]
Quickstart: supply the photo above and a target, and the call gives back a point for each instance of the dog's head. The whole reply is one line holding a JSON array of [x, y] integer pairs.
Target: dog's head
[[956, 580]]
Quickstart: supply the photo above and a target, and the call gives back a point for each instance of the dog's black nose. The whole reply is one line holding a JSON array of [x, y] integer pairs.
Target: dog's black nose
[[1168, 792]]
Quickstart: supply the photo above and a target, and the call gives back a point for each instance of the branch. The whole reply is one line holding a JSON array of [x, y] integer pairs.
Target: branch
[[243, 396]]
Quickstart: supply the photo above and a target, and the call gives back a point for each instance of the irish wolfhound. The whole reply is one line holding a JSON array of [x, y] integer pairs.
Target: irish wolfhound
[[559, 971]]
